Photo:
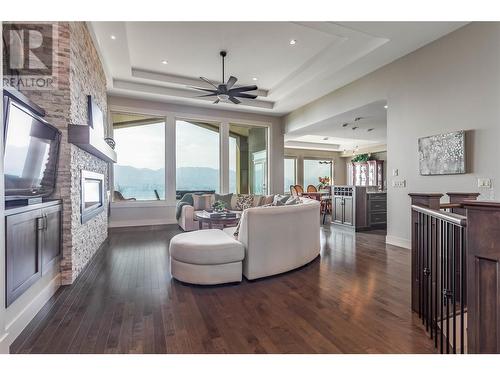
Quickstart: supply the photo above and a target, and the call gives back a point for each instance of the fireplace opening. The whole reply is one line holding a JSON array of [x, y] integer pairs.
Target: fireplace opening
[[92, 195]]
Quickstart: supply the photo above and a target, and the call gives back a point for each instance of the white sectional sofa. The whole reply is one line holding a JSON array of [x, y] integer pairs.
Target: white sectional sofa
[[279, 239], [275, 239]]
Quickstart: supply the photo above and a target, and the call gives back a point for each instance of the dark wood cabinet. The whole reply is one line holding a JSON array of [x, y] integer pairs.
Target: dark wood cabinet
[[349, 206], [51, 237], [377, 210], [32, 244]]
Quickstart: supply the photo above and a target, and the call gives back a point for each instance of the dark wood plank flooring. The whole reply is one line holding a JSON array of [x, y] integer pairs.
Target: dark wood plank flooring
[[354, 299]]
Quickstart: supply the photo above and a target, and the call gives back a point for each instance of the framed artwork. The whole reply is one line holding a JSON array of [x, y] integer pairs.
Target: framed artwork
[[442, 154]]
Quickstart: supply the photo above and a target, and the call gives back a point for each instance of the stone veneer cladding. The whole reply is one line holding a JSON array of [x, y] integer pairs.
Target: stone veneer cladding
[[79, 73]]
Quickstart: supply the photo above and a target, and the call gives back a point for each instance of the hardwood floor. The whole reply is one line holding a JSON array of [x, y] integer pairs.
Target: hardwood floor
[[354, 299]]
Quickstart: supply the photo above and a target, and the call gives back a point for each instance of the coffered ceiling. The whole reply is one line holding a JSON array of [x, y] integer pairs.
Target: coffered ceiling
[[162, 60]]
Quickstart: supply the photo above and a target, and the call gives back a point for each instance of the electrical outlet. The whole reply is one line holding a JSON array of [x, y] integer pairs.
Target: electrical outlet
[[399, 184], [395, 172], [484, 182]]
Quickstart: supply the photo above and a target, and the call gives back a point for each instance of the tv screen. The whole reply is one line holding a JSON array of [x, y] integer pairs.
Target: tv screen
[[31, 153]]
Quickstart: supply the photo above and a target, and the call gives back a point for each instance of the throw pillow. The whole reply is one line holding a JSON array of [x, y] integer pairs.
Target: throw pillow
[[279, 200], [224, 198], [266, 200], [257, 200], [244, 201], [203, 202], [292, 200]]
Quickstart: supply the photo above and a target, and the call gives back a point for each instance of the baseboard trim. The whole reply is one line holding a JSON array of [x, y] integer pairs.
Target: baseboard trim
[[398, 241], [139, 223], [26, 315]]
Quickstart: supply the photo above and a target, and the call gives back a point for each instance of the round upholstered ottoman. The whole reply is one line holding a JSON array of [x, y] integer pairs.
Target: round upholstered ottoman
[[206, 257]]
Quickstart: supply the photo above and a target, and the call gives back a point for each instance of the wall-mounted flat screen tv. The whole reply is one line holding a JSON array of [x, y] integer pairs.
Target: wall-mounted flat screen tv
[[31, 152]]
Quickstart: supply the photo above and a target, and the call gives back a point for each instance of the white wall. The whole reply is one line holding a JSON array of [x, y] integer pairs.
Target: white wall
[[450, 84], [156, 213]]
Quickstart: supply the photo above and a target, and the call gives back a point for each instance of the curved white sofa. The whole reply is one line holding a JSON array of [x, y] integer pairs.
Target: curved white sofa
[[279, 238]]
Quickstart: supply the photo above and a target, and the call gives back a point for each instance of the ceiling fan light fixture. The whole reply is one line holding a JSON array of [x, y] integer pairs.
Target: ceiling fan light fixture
[[293, 42]]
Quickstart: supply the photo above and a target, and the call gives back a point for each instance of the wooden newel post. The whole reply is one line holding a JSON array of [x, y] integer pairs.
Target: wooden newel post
[[461, 198], [483, 276], [432, 201]]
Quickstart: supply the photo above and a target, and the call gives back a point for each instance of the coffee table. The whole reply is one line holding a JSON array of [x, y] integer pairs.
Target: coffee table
[[204, 217]]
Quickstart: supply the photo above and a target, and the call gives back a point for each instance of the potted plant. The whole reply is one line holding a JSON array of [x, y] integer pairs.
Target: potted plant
[[219, 206], [323, 181]]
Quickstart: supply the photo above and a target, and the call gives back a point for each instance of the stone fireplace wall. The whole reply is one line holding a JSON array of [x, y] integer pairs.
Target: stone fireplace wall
[[79, 73], [86, 78]]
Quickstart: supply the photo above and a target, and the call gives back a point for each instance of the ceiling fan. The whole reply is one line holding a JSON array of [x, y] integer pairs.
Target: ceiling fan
[[225, 91]]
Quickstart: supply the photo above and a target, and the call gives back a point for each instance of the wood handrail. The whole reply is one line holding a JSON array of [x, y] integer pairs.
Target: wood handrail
[[445, 216], [443, 206]]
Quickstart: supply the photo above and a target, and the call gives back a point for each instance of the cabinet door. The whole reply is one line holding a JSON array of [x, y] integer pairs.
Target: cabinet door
[[338, 212], [51, 237], [348, 211], [23, 268]]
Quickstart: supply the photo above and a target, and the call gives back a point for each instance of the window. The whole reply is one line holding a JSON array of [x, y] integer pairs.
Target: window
[[290, 173], [139, 173], [247, 159], [314, 169], [197, 157]]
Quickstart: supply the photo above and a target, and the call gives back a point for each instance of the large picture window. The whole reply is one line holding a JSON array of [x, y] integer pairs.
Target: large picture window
[[314, 169], [290, 172], [139, 174], [197, 157], [247, 159]]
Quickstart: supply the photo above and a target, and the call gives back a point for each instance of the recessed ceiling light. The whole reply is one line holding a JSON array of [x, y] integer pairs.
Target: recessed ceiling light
[[369, 130], [164, 62], [113, 37], [325, 139], [386, 106], [293, 42], [358, 118], [254, 79], [345, 124]]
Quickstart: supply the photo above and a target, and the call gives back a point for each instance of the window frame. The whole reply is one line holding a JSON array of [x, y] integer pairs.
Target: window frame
[[295, 172], [111, 178], [332, 168]]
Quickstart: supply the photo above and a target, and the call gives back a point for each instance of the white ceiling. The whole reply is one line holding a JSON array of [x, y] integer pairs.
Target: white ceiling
[[331, 134], [326, 56]]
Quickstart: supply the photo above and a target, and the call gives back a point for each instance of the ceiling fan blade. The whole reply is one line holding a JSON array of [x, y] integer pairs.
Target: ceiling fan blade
[[217, 101], [244, 88], [208, 81], [243, 95], [202, 89], [230, 82], [234, 100], [202, 96]]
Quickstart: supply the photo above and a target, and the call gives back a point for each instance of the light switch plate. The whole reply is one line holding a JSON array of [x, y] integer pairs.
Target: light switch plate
[[484, 182], [395, 172], [399, 184]]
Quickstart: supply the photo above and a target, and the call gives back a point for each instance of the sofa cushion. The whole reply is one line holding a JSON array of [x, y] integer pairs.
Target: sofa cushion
[[257, 200], [203, 202], [208, 246], [224, 198], [244, 201]]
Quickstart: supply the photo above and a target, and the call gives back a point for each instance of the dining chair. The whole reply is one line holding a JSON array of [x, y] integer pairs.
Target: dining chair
[[299, 189], [311, 189]]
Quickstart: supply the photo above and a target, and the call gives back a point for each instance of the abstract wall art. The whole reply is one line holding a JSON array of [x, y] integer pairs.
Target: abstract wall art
[[442, 154]]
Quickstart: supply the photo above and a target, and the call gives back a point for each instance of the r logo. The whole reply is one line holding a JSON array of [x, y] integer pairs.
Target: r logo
[[28, 49]]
